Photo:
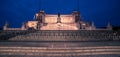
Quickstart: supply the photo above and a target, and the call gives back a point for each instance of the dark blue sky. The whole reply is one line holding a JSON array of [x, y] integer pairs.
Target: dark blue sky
[[99, 11]]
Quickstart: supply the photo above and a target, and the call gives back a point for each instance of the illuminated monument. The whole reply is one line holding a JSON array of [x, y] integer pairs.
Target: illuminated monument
[[57, 22], [59, 35], [45, 21]]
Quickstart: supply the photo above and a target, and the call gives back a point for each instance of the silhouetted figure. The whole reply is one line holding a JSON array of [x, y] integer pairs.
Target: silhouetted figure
[[58, 19], [58, 14]]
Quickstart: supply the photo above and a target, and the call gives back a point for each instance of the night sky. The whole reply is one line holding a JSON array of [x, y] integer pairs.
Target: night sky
[[99, 11]]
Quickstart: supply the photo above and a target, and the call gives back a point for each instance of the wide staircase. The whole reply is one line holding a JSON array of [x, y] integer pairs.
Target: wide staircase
[[81, 35], [82, 43]]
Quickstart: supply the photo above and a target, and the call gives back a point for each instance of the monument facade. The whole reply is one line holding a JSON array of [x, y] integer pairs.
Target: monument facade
[[58, 21]]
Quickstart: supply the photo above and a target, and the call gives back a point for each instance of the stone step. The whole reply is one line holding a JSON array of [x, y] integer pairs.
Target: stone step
[[38, 51]]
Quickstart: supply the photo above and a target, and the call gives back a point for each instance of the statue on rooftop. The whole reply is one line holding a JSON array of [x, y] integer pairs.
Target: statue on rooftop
[[58, 19]]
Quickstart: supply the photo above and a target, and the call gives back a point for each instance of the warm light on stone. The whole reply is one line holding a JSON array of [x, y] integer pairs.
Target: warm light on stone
[[59, 26], [83, 24], [67, 22], [64, 19], [67, 19], [51, 19], [36, 14], [32, 24]]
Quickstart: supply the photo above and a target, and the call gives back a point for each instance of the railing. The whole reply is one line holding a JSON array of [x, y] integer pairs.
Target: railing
[[81, 35]]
